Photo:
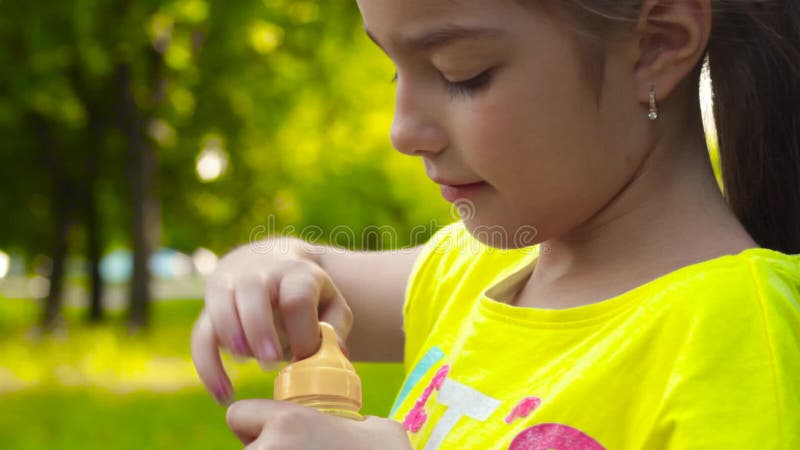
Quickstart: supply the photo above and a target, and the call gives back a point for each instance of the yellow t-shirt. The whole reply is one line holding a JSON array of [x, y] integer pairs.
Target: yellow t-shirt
[[704, 357]]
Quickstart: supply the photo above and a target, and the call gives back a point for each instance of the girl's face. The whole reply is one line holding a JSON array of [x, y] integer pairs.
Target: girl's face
[[492, 92]]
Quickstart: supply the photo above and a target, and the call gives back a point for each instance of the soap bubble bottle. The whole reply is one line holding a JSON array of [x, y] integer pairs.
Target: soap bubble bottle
[[325, 381]]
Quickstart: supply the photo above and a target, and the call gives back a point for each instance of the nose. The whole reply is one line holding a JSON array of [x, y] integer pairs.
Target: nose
[[415, 128]]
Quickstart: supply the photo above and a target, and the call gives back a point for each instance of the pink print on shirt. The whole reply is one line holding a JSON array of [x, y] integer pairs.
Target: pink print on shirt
[[416, 417], [555, 436], [523, 408], [464, 401]]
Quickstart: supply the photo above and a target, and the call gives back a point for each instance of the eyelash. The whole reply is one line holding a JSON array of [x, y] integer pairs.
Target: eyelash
[[467, 87]]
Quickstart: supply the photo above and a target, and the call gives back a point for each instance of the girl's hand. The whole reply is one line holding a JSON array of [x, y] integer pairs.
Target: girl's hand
[[269, 424], [257, 294]]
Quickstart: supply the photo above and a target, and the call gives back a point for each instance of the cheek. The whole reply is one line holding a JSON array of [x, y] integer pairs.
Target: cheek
[[538, 139], [535, 130]]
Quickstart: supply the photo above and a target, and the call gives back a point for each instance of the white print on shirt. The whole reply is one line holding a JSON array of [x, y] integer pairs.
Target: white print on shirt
[[462, 400]]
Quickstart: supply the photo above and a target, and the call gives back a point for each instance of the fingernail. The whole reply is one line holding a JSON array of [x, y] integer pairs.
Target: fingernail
[[240, 345], [222, 393], [267, 352]]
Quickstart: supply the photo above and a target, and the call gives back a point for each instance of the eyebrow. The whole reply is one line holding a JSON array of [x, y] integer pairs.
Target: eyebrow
[[443, 36]]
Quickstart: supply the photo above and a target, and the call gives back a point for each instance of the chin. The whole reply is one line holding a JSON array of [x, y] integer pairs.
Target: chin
[[501, 235]]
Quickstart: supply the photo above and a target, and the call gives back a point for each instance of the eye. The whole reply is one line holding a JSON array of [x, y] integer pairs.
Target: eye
[[468, 87]]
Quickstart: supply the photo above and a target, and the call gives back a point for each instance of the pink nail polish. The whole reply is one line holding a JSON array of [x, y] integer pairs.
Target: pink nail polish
[[267, 353], [222, 393], [240, 345]]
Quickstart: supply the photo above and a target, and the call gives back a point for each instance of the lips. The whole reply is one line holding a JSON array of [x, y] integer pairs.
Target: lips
[[462, 191], [448, 182], [462, 185]]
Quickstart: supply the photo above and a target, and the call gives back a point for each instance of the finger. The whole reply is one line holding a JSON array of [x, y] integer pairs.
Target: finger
[[298, 295], [245, 439], [219, 300], [254, 305], [335, 311], [280, 328], [250, 442], [256, 444], [250, 417], [207, 362], [246, 418], [248, 439]]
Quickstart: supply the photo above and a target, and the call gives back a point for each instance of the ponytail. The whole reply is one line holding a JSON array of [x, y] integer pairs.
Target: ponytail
[[754, 59]]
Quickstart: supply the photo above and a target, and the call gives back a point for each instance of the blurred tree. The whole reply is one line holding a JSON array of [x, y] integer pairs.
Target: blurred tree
[[148, 81], [193, 123], [43, 97], [65, 55]]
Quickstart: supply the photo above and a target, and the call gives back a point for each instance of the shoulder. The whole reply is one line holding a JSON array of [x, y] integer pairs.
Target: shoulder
[[752, 280], [734, 316], [733, 328], [748, 301], [773, 274]]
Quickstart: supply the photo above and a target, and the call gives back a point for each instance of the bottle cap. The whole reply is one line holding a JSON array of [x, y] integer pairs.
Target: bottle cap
[[325, 373]]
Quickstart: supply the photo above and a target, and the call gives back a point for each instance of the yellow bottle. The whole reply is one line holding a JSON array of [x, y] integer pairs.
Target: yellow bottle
[[325, 381]]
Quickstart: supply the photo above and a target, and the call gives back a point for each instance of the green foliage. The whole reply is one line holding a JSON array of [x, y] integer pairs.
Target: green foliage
[[291, 92]]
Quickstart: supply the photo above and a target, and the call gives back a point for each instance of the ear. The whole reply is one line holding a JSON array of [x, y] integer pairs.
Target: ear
[[673, 35]]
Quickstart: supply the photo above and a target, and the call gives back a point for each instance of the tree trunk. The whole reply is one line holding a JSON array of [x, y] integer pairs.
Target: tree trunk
[[140, 172], [93, 246], [98, 124], [61, 202], [90, 162], [52, 317], [145, 230]]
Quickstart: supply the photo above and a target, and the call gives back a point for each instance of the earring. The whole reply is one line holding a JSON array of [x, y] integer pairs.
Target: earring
[[653, 110]]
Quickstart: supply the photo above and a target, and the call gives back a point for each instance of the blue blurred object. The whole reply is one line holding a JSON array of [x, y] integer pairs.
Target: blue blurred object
[[117, 266], [166, 263]]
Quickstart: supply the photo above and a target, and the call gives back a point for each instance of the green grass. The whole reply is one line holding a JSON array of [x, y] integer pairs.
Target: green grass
[[100, 388]]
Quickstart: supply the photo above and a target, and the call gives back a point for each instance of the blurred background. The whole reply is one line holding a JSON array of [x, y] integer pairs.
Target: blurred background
[[142, 140]]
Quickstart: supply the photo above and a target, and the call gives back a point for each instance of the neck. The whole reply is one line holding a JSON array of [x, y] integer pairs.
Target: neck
[[671, 214]]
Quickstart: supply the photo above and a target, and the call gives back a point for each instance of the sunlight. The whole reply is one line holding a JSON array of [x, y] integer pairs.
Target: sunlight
[[212, 161], [265, 37], [707, 106], [104, 359], [205, 261], [707, 111], [5, 263]]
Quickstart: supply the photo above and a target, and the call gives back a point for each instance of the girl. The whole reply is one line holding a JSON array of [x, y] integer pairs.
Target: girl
[[600, 292]]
